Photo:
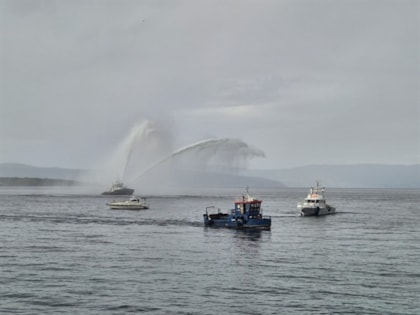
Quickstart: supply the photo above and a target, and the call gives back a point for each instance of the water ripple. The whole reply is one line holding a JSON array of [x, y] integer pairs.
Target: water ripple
[[71, 254]]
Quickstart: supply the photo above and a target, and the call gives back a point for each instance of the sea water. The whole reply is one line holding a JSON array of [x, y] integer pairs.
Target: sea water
[[63, 252]]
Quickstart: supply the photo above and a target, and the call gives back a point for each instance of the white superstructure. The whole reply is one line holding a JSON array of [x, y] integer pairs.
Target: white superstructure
[[315, 203]]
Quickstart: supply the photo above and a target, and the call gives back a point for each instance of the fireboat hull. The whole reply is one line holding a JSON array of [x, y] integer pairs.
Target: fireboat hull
[[119, 192]]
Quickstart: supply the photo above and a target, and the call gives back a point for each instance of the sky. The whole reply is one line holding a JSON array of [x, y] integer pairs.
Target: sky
[[304, 81]]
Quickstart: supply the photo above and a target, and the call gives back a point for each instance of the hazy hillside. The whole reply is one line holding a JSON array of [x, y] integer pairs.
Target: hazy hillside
[[183, 178], [30, 181], [357, 176], [22, 170], [157, 179], [351, 176]]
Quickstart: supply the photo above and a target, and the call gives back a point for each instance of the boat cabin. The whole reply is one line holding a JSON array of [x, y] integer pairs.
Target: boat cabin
[[311, 201], [135, 199], [248, 206]]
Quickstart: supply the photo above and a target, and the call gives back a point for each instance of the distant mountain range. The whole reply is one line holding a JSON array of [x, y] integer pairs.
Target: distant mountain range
[[341, 176], [10, 171], [23, 170], [35, 181], [346, 176]]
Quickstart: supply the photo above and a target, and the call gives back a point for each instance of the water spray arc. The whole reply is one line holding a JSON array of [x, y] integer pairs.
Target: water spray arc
[[145, 157], [227, 148], [139, 132], [144, 144]]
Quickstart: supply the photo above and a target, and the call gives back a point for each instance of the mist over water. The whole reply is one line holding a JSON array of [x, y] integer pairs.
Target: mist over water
[[145, 157]]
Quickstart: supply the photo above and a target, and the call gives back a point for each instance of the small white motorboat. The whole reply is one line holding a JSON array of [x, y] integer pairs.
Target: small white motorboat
[[135, 203], [315, 203]]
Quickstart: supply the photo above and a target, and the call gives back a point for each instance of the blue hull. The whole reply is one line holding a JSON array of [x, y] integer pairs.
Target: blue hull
[[238, 223]]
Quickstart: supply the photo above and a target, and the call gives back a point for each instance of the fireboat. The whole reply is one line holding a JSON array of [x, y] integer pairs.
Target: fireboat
[[118, 188]]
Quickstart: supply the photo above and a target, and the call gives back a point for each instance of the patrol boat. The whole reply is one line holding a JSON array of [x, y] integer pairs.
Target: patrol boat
[[315, 203], [246, 214]]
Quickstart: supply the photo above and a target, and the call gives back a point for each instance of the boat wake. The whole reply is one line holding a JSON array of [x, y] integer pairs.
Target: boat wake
[[100, 221]]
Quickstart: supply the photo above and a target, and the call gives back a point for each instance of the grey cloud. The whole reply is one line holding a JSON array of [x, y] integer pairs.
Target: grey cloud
[[80, 74]]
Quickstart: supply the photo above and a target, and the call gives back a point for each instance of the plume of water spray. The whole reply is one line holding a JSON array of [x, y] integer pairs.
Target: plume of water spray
[[138, 135], [144, 144], [174, 154], [145, 156], [226, 153], [147, 144]]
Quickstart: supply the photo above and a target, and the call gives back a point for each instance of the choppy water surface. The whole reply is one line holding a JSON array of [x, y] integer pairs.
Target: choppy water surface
[[69, 254]]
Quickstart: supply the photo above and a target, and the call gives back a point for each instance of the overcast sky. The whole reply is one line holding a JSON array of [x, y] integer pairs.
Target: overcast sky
[[307, 81]]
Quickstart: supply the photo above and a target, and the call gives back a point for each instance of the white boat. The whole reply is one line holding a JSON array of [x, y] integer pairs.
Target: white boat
[[315, 203], [135, 203]]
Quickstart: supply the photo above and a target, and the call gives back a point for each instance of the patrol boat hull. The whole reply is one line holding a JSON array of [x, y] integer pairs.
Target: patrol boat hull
[[310, 211]]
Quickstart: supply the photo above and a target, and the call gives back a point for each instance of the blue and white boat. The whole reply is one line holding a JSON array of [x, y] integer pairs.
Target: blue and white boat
[[246, 214]]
